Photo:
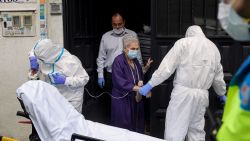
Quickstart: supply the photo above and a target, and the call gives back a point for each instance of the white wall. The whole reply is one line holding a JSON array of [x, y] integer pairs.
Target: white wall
[[55, 26], [14, 65]]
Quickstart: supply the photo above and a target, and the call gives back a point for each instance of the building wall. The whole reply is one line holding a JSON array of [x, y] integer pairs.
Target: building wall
[[14, 66]]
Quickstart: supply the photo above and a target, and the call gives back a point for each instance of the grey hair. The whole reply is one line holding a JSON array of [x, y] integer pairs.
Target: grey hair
[[127, 39]]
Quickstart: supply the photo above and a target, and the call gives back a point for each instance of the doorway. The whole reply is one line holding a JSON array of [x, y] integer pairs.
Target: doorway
[[85, 21]]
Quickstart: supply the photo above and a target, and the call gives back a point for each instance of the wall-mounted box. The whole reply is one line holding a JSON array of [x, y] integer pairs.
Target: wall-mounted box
[[18, 23], [55, 8]]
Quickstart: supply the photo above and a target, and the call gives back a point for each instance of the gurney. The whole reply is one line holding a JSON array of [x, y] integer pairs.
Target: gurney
[[55, 119], [3, 138]]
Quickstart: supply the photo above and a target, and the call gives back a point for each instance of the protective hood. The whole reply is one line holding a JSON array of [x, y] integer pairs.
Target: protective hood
[[194, 30], [47, 51]]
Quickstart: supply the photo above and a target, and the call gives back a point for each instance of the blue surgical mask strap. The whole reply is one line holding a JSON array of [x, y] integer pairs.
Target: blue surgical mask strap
[[60, 56], [53, 70], [53, 65]]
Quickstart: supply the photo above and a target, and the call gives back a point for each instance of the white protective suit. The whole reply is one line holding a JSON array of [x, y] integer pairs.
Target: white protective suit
[[197, 63], [53, 58], [55, 119]]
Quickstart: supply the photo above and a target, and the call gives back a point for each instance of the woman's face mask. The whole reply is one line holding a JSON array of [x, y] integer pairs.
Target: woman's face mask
[[132, 54], [232, 23], [118, 31]]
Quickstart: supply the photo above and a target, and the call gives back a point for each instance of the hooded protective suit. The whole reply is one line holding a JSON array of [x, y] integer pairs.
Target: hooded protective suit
[[197, 63], [55, 59]]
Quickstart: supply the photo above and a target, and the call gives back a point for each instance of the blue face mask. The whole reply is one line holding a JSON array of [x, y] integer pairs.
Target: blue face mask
[[132, 54]]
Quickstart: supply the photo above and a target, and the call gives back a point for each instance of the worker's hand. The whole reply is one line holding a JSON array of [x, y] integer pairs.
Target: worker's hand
[[101, 82], [59, 78], [33, 75], [33, 63], [145, 89]]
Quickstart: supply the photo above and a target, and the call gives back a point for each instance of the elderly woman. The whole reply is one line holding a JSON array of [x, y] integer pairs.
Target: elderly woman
[[127, 109]]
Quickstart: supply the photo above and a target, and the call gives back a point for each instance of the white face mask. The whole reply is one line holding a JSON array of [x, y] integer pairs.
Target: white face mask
[[118, 31], [232, 23]]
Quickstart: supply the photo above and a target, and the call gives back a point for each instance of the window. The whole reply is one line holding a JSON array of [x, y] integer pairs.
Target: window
[[16, 21], [27, 21]]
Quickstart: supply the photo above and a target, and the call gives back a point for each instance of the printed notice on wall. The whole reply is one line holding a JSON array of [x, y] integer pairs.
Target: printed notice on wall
[[43, 25]]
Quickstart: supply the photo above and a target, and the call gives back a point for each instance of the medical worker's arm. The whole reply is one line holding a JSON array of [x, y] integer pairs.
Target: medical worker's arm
[[34, 66], [101, 59], [31, 53], [33, 61], [168, 64], [219, 84], [119, 78], [80, 77]]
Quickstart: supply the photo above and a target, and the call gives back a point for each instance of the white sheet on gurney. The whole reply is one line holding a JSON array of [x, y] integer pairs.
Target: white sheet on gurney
[[55, 119]]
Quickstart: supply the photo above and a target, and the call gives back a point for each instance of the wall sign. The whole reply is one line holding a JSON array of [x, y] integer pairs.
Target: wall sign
[[43, 24]]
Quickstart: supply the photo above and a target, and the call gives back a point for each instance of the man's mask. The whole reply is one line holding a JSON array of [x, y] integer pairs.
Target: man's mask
[[118, 31]]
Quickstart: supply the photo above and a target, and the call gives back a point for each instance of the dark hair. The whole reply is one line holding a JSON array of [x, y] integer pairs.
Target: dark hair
[[115, 14]]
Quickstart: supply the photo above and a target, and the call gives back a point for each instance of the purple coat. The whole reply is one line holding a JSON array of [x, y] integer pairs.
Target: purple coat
[[126, 112]]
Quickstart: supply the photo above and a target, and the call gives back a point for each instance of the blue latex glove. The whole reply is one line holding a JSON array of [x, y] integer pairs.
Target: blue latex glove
[[223, 99], [33, 63], [145, 89], [101, 82], [58, 78]]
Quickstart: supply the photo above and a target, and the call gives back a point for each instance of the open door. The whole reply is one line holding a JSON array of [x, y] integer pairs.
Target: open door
[[85, 21]]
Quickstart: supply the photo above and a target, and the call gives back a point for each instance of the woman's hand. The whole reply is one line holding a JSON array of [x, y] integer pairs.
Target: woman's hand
[[136, 88]]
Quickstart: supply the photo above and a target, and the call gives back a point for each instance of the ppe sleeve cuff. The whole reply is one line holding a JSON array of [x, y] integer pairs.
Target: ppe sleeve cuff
[[67, 81], [151, 84], [31, 53], [100, 75]]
